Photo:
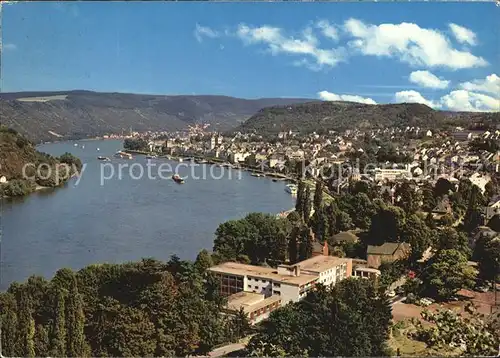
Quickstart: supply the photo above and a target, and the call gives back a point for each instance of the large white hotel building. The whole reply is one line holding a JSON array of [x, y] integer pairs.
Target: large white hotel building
[[259, 290]]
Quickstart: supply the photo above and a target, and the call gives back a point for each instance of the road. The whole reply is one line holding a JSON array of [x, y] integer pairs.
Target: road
[[222, 351]]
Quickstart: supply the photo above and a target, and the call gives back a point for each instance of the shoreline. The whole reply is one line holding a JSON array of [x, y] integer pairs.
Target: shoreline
[[219, 162], [39, 188]]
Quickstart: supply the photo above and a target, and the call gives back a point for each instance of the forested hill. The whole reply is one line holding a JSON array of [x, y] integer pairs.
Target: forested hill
[[17, 152], [44, 116], [317, 116]]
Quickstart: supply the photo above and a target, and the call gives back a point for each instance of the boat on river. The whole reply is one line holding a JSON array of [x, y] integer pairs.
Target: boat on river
[[105, 159], [291, 188], [177, 179], [151, 156], [123, 155]]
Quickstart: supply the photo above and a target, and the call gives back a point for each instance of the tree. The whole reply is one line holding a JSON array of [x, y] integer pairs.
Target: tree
[[428, 198], [446, 273], [351, 319], [26, 330], [448, 238], [443, 187], [75, 322], [203, 261], [409, 199], [387, 224], [494, 223], [9, 325], [240, 325], [293, 242], [362, 211], [320, 224], [259, 236], [418, 235], [491, 189], [294, 217], [474, 335], [363, 187], [487, 254], [473, 219], [306, 206], [318, 195], [306, 243], [58, 334], [391, 272], [299, 203], [343, 221], [41, 341], [473, 216], [146, 308]]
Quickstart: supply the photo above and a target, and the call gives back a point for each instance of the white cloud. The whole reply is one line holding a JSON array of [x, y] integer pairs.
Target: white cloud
[[9, 47], [410, 43], [328, 30], [491, 84], [458, 100], [306, 45], [462, 100], [463, 34], [204, 31], [428, 79], [413, 97], [329, 96]]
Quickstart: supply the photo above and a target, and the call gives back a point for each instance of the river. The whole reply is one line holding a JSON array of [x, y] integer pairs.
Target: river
[[91, 220]]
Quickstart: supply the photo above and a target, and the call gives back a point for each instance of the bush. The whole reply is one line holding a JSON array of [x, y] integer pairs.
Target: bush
[[71, 160], [16, 187]]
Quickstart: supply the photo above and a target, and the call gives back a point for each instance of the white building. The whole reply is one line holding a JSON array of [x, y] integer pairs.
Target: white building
[[480, 181], [213, 142], [238, 157], [392, 174], [287, 283]]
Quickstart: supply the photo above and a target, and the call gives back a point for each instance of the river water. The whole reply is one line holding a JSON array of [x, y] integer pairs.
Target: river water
[[92, 220]]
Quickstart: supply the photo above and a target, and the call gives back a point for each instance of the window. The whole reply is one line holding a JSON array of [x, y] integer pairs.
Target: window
[[249, 286], [277, 285], [277, 292], [256, 287]]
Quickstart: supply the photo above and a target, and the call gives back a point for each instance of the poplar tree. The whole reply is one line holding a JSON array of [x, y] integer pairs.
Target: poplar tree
[[41, 341], [318, 195], [9, 326], [306, 244], [26, 324], [299, 203], [293, 245], [306, 205], [58, 336], [75, 322]]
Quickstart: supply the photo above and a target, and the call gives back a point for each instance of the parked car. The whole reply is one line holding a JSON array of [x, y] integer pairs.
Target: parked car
[[424, 302]]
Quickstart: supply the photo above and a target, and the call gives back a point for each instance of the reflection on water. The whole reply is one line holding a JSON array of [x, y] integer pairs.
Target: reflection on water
[[125, 219]]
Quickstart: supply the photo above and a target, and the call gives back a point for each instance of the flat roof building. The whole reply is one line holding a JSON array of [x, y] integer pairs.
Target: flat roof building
[[247, 284]]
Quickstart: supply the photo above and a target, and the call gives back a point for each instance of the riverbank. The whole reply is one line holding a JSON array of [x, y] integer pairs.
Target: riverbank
[[34, 188], [217, 161]]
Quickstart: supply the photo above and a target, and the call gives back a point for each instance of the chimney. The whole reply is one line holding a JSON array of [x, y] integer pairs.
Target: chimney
[[297, 270]]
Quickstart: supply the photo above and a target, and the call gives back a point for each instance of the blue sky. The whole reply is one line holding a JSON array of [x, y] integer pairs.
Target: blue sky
[[443, 54]]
